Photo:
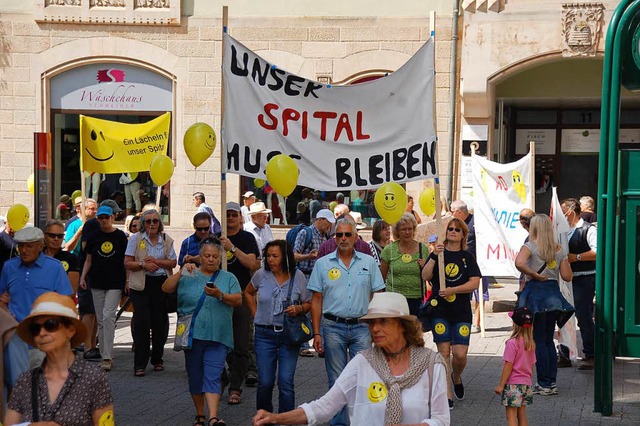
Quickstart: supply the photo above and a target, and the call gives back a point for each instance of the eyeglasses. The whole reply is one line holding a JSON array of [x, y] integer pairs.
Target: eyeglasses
[[52, 235], [50, 325], [150, 221], [202, 229], [104, 217], [452, 229], [344, 234]]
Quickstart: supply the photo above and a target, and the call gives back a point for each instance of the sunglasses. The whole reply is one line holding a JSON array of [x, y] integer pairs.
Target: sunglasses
[[52, 235], [344, 234], [150, 221], [202, 229], [104, 217], [451, 229], [50, 325]]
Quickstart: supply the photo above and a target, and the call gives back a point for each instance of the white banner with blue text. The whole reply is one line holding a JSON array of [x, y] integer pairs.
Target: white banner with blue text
[[342, 137], [500, 191]]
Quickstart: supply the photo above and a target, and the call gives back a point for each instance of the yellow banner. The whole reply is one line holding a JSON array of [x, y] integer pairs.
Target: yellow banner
[[112, 147]]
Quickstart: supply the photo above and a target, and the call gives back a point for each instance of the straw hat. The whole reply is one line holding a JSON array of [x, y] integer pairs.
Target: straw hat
[[388, 305], [258, 207], [53, 304], [357, 217]]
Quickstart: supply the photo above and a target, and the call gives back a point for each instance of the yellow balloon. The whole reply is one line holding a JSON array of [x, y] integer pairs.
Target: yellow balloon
[[282, 174], [30, 183], [161, 169], [199, 143], [332, 205], [259, 183], [18, 216], [427, 201], [133, 175], [75, 194], [390, 202]]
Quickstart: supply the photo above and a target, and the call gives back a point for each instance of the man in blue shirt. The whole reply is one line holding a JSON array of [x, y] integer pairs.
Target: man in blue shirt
[[190, 248], [342, 283], [22, 280]]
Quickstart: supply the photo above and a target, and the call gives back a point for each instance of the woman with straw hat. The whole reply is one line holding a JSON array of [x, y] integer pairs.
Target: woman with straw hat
[[70, 390], [398, 381]]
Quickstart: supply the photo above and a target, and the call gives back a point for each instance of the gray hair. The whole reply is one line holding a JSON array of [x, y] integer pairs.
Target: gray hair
[[406, 218], [347, 220], [144, 215], [587, 201], [211, 242], [53, 222], [88, 201], [460, 205]]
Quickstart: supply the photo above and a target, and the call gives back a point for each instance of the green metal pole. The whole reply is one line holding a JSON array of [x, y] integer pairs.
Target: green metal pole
[[603, 386]]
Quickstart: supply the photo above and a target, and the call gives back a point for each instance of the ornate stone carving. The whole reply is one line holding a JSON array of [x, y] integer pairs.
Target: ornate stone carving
[[62, 3], [106, 3], [159, 4], [109, 12], [581, 28]]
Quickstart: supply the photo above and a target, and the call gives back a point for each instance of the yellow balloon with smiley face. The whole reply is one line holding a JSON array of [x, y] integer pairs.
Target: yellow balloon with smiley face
[[390, 202], [18, 216], [427, 201], [199, 143], [376, 392]]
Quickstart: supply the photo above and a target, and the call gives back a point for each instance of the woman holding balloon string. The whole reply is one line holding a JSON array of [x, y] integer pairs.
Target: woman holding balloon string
[[450, 310]]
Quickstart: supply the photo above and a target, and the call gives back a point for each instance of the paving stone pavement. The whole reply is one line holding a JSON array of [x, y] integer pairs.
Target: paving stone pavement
[[162, 398]]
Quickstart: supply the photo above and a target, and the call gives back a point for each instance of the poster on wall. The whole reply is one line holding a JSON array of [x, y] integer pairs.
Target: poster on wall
[[545, 140], [580, 140]]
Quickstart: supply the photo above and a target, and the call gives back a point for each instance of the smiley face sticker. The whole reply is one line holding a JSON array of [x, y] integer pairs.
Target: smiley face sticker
[[440, 328], [333, 274], [65, 265], [180, 329], [229, 255], [464, 330], [107, 419], [552, 264], [406, 258], [106, 247], [377, 392], [450, 298], [451, 270], [142, 245]]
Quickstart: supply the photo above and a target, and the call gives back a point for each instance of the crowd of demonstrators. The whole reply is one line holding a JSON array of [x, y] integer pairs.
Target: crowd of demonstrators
[[342, 284], [150, 258], [397, 381], [216, 293], [305, 249], [277, 290], [53, 237], [258, 215], [190, 247], [331, 244], [403, 260], [199, 203], [543, 262]]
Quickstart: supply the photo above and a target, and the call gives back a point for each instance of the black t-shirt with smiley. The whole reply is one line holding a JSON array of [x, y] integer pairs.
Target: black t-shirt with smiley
[[69, 261], [459, 266], [107, 260], [246, 242]]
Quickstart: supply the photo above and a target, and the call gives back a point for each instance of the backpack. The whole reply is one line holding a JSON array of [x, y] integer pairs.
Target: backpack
[[292, 235]]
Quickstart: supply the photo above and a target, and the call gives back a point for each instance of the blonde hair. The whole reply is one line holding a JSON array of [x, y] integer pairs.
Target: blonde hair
[[542, 234], [406, 218], [525, 333], [465, 232]]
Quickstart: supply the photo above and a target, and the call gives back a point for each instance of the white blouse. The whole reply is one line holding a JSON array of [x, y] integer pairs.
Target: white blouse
[[366, 396]]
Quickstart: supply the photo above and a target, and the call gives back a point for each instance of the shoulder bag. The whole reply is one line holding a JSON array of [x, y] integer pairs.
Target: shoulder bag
[[185, 323], [137, 278], [295, 329]]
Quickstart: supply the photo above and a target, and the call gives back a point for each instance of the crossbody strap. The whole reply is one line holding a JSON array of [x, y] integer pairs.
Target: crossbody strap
[[199, 306], [34, 395], [420, 272], [291, 281]]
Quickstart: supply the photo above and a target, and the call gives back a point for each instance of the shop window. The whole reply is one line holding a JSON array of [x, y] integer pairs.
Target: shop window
[[536, 117], [130, 196]]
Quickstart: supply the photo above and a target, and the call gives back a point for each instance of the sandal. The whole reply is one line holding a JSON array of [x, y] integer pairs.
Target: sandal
[[158, 367], [139, 372], [235, 398], [200, 421], [216, 421]]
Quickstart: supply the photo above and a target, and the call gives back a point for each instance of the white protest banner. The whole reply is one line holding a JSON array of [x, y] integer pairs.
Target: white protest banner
[[342, 137], [500, 191], [567, 334]]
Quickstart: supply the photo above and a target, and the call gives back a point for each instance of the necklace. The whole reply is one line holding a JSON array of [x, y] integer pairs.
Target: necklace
[[395, 354]]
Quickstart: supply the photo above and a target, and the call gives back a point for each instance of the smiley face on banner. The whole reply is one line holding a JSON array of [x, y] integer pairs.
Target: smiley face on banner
[[390, 202]]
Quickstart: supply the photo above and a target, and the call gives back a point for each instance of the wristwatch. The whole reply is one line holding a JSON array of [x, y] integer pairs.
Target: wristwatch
[[234, 249], [221, 298], [578, 257]]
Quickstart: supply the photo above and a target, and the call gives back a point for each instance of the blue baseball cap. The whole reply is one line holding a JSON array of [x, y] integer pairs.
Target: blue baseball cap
[[105, 210]]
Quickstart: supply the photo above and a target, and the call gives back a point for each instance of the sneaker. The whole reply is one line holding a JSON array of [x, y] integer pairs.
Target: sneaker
[[586, 364], [251, 380], [450, 404], [93, 355], [106, 364], [564, 362], [475, 329], [458, 388], [554, 389], [540, 390]]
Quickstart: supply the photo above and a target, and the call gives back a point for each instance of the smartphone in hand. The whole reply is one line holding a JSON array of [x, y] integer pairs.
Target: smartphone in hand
[[211, 285]]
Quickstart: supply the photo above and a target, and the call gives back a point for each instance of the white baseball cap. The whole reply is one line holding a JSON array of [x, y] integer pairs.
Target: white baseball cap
[[248, 194], [326, 214]]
